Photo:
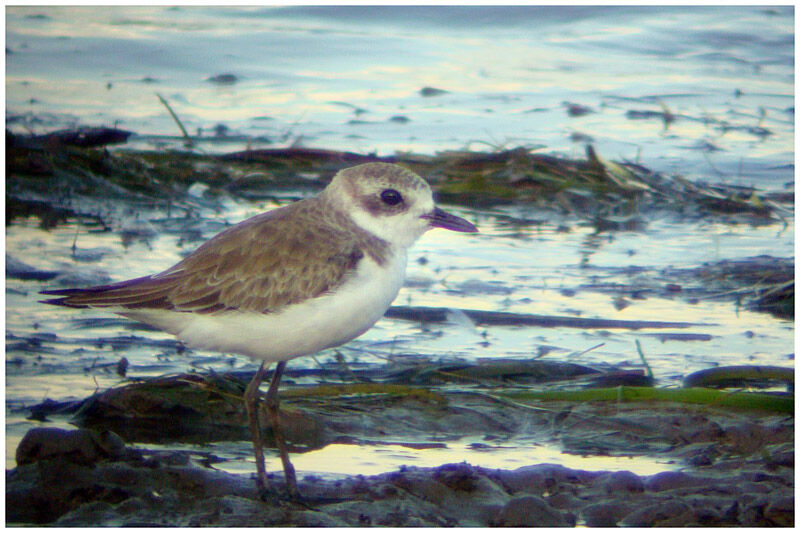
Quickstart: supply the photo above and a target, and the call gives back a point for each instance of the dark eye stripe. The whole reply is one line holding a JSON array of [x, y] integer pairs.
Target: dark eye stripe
[[391, 197]]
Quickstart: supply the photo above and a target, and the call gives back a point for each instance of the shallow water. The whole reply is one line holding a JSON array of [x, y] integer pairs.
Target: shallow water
[[507, 73], [525, 269], [350, 78], [372, 459]]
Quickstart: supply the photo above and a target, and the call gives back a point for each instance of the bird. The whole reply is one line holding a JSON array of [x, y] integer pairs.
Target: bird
[[286, 283]]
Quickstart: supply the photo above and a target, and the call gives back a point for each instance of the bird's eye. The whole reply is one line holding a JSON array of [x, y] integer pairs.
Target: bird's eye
[[391, 197]]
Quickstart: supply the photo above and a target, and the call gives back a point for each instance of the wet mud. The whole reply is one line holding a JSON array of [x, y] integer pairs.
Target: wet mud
[[736, 465]]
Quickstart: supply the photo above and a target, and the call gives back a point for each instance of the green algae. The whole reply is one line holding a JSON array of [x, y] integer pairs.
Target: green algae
[[364, 389], [695, 395]]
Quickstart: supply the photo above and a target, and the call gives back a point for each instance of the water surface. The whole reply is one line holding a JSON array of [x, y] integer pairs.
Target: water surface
[[350, 78]]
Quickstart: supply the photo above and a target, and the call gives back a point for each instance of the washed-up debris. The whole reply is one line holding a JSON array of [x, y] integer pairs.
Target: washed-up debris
[[761, 283], [80, 137], [768, 282], [494, 373], [777, 299], [685, 337], [431, 91], [18, 269], [637, 114], [577, 110], [223, 79], [187, 139], [594, 188], [741, 376], [500, 318]]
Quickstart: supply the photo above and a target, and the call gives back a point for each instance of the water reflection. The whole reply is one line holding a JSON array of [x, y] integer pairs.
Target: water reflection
[[371, 460], [725, 73]]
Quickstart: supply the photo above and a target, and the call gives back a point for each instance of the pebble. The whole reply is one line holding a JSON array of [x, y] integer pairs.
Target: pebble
[[671, 481], [667, 514], [622, 481], [82, 446], [530, 511], [606, 514], [780, 511], [525, 479]]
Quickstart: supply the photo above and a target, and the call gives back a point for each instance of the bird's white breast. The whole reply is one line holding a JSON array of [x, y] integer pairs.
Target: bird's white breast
[[300, 329]]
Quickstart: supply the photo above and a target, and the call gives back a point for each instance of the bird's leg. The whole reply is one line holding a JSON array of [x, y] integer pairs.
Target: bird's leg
[[271, 404], [251, 406]]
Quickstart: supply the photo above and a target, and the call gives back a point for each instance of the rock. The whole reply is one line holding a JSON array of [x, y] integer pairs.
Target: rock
[[752, 513], [80, 446], [458, 476], [780, 455], [745, 438], [622, 481], [713, 510], [526, 479], [564, 501], [606, 514], [91, 513], [671, 513], [671, 481], [544, 477], [701, 454], [530, 511], [780, 511], [424, 487]]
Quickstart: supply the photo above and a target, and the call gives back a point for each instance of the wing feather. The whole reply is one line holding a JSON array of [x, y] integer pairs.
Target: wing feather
[[269, 261]]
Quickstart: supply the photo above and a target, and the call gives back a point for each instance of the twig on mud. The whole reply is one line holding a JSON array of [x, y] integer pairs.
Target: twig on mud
[[75, 241], [583, 352], [644, 361], [284, 136], [507, 401], [189, 142], [340, 361]]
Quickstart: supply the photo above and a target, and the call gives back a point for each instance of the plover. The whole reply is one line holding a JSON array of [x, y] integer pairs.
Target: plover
[[289, 282]]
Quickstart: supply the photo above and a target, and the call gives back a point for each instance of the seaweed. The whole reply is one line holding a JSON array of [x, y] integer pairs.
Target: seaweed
[[597, 189], [694, 395]]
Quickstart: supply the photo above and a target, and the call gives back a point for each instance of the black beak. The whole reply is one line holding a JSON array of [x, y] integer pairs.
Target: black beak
[[442, 219]]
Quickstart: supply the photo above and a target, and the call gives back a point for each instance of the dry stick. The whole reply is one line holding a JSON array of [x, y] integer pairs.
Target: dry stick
[[75, 241], [189, 142], [641, 356], [587, 350]]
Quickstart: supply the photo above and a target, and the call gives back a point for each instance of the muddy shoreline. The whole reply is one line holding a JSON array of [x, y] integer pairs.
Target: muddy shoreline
[[736, 469], [730, 466]]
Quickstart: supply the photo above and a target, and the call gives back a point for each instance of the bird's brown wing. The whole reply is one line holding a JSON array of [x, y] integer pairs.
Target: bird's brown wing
[[274, 259]]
